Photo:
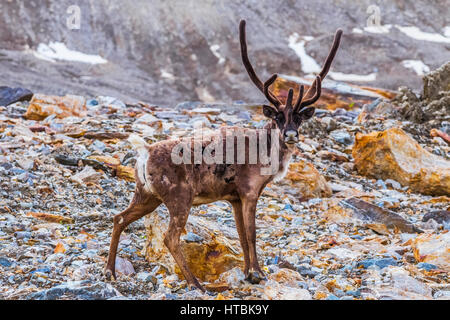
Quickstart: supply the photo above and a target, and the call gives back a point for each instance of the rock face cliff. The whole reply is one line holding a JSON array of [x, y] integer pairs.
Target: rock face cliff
[[165, 52]]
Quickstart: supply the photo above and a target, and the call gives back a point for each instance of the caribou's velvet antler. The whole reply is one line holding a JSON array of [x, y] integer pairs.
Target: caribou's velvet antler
[[268, 94], [251, 72], [318, 89], [303, 100], [297, 106], [289, 98]]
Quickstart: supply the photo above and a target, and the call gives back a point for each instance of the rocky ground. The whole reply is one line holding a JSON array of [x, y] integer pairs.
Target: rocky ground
[[327, 231]]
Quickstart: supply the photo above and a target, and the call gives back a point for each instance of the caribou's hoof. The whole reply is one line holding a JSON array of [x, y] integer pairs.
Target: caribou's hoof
[[255, 277], [109, 274]]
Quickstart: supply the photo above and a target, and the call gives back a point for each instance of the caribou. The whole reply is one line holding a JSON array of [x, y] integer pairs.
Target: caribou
[[172, 175]]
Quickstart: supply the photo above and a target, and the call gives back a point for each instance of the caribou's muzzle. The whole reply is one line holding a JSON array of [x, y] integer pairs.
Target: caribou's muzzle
[[291, 137]]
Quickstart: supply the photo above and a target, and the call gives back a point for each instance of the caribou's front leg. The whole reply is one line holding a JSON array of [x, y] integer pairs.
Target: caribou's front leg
[[254, 274], [239, 219]]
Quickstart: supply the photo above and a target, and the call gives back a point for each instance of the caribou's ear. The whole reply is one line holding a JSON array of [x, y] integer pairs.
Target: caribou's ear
[[270, 112], [307, 113]]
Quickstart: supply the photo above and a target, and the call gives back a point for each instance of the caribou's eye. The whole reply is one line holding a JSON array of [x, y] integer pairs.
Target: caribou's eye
[[296, 117]]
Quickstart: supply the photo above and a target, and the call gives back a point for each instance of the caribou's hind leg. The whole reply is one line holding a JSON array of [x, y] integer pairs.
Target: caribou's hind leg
[[138, 208], [179, 209]]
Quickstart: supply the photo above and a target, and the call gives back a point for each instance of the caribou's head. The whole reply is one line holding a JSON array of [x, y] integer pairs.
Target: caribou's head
[[288, 117]]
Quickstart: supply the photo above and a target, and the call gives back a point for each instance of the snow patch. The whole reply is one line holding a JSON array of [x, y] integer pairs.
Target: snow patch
[[339, 76], [167, 75], [309, 65], [410, 31], [308, 38], [446, 31], [378, 29], [58, 51], [215, 50], [418, 66], [416, 33]]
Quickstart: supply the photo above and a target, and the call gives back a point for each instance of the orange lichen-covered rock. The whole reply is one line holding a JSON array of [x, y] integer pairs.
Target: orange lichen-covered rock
[[307, 180], [392, 154], [42, 106], [50, 217], [123, 172], [433, 248], [208, 247], [109, 161]]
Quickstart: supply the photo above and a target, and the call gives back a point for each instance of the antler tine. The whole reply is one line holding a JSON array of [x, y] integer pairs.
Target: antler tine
[[245, 59], [300, 98], [332, 54], [328, 61], [248, 66], [318, 85], [289, 98], [267, 93]]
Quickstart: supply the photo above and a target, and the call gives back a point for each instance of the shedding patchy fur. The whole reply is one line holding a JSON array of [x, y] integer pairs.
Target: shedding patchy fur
[[284, 169], [141, 147]]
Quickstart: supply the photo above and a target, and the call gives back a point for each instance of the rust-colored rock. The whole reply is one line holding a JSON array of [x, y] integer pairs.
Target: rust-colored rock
[[42, 106], [214, 249], [109, 161], [50, 217], [392, 154], [433, 248], [334, 95], [59, 248], [307, 180]]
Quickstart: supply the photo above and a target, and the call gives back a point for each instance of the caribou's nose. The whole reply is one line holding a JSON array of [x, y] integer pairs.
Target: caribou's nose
[[291, 136]]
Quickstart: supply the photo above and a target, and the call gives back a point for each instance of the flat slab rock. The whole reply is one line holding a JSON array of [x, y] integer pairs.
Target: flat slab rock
[[78, 290], [12, 95], [370, 212], [440, 216]]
